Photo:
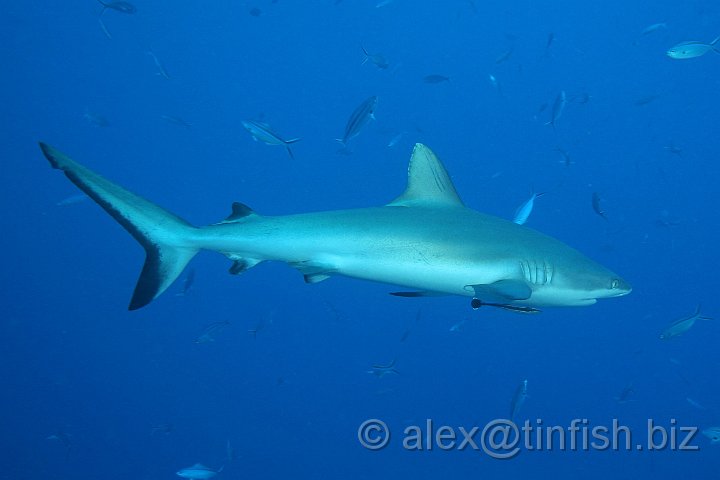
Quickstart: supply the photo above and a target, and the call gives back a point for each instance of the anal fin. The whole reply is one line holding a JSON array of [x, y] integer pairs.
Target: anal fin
[[316, 278], [241, 264], [313, 272]]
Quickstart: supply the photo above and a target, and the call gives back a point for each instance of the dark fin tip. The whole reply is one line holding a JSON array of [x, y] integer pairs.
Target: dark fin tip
[[239, 210], [50, 153], [148, 283], [409, 294], [238, 267]]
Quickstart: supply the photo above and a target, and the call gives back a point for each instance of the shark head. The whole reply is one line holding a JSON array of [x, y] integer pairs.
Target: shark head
[[582, 283]]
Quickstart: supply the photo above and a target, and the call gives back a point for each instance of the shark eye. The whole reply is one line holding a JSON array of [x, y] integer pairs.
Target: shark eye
[[614, 283]]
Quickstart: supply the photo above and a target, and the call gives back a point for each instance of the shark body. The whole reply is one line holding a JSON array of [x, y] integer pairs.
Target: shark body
[[425, 240]]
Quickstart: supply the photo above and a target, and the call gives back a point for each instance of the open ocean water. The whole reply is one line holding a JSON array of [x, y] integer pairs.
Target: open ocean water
[[154, 98]]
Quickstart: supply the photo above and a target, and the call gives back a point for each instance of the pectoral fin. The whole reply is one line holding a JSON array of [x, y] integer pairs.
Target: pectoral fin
[[507, 290]]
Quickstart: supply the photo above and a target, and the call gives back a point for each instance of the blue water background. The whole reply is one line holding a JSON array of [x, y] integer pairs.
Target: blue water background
[[290, 400]]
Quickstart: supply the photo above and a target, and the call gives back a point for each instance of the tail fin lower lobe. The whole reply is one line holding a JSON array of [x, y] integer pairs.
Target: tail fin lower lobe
[[165, 236]]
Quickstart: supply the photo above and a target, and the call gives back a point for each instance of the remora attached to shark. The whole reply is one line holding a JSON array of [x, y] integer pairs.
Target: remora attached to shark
[[426, 239]]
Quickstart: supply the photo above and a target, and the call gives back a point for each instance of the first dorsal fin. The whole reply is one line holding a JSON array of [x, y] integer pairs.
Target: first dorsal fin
[[428, 182]]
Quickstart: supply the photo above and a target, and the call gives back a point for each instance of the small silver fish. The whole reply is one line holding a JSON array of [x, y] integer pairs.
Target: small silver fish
[[713, 433], [394, 141], [673, 149], [375, 58], [268, 320], [72, 199], [557, 108], [458, 326], [496, 84], [580, 98], [666, 220], [187, 284], [61, 437], [654, 28], [64, 439], [494, 81], [261, 132], [230, 452], [163, 428], [176, 121], [95, 119], [435, 79], [518, 400], [596, 205], [626, 394], [642, 101], [198, 472], [505, 56], [567, 161], [524, 210], [695, 403], [120, 6], [682, 325], [161, 70], [685, 50], [360, 117], [382, 370], [208, 334], [549, 42], [254, 331]]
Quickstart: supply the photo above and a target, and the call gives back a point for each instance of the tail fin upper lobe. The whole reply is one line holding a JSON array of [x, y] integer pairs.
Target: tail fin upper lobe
[[165, 236]]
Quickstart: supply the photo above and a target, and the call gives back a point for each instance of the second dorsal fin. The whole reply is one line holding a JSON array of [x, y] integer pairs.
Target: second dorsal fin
[[239, 212]]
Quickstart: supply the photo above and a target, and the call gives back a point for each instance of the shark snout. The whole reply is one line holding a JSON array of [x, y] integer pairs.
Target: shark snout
[[616, 288]]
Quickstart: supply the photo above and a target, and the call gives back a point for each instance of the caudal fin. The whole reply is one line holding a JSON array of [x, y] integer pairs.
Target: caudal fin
[[165, 237], [287, 146]]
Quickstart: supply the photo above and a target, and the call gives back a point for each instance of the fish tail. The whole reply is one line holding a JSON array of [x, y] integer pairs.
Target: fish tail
[[287, 146], [104, 28], [367, 55], [167, 239], [699, 315], [714, 45]]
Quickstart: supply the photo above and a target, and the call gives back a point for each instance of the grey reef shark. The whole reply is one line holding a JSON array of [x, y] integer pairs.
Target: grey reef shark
[[426, 240]]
